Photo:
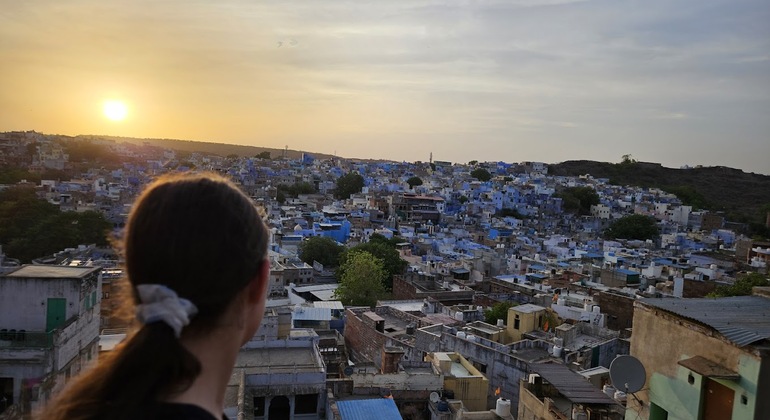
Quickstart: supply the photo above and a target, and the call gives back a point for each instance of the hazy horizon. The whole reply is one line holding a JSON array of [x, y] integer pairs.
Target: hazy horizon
[[684, 83]]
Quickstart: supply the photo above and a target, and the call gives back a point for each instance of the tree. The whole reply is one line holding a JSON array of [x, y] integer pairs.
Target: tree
[[13, 175], [481, 174], [510, 213], [322, 249], [627, 159], [350, 183], [392, 262], [689, 196], [497, 311], [635, 226], [20, 210], [362, 281], [414, 181], [263, 155], [463, 199], [473, 163], [32, 228], [742, 286], [392, 242], [578, 199], [297, 188]]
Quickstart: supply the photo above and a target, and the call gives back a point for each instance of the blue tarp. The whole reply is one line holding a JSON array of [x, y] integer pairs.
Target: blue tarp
[[380, 408]]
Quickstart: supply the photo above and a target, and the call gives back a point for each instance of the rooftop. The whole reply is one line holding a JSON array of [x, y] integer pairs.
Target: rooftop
[[571, 385], [741, 319], [385, 408], [528, 308], [51, 272], [278, 360], [332, 304], [307, 313]]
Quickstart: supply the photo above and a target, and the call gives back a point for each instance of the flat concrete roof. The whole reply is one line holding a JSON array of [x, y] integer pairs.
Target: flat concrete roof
[[51, 272], [527, 308], [278, 360]]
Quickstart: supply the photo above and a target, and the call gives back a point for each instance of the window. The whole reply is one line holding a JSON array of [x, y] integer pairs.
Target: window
[[306, 404], [480, 366], [657, 413], [259, 406], [516, 323]]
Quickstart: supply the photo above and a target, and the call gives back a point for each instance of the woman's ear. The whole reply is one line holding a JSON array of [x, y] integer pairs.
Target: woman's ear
[[257, 288], [256, 297]]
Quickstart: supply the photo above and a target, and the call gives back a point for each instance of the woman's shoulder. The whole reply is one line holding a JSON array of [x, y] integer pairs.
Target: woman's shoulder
[[176, 411]]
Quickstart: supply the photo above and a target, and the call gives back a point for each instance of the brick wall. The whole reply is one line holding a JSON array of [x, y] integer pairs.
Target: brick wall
[[619, 309], [697, 288], [403, 289], [364, 342]]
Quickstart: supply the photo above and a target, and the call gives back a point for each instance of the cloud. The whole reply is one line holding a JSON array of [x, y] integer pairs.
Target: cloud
[[565, 79]]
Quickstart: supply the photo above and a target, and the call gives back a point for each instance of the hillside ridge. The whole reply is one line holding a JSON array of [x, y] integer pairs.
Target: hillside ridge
[[743, 196]]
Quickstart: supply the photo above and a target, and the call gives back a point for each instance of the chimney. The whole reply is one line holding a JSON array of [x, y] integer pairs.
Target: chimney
[[391, 356]]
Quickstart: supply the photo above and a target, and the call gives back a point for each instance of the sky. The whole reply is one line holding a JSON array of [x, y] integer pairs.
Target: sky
[[675, 82]]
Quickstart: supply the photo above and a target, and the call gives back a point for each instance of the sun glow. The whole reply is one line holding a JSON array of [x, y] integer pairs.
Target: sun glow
[[115, 110]]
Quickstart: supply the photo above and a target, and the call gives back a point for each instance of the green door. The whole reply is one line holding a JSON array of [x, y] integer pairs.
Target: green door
[[55, 313]]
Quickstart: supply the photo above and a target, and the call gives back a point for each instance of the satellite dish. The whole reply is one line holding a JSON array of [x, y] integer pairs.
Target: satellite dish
[[348, 370], [627, 374], [434, 397]]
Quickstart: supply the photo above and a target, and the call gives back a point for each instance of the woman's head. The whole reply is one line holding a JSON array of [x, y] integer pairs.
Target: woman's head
[[202, 238], [198, 235]]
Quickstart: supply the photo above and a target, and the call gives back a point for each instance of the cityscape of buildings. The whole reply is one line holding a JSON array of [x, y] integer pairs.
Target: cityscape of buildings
[[573, 299]]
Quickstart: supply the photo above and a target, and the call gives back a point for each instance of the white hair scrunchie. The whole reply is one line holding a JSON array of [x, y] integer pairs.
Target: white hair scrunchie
[[159, 303]]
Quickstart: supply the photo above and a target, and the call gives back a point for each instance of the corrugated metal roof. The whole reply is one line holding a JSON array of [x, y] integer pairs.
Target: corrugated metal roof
[[315, 287], [741, 319], [332, 304], [324, 295], [51, 271], [571, 384], [306, 313], [380, 408]]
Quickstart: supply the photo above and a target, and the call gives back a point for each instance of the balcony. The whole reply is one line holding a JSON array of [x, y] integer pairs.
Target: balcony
[[25, 339]]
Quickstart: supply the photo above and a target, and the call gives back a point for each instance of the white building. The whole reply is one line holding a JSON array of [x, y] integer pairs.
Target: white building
[[49, 330], [601, 211]]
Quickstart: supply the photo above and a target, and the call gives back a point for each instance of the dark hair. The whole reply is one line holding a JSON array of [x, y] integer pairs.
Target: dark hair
[[204, 239]]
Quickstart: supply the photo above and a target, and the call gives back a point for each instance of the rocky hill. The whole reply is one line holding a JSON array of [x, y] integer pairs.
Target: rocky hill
[[744, 197], [220, 149]]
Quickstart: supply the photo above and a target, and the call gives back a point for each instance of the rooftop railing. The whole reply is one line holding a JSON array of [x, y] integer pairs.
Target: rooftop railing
[[23, 338]]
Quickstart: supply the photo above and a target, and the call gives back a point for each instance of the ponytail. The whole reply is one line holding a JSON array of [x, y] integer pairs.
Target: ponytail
[[127, 385], [177, 227]]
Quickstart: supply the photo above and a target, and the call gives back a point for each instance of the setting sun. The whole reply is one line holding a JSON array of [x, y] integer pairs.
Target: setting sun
[[115, 110]]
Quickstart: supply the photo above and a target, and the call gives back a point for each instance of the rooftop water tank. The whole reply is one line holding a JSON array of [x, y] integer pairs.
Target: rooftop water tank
[[557, 351], [579, 414], [442, 406], [620, 396], [503, 407]]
